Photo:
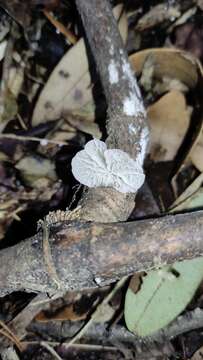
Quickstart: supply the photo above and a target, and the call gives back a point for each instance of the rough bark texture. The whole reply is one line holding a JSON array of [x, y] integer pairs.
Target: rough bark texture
[[86, 255], [125, 132]]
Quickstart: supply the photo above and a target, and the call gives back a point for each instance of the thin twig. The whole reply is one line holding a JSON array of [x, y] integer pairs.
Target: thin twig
[[50, 349], [97, 312], [10, 335], [21, 121], [7, 60], [61, 28], [32, 138], [77, 346]]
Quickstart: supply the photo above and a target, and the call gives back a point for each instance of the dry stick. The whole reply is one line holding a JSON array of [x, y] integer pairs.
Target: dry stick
[[60, 27], [10, 335], [126, 125], [86, 255], [89, 347], [31, 138], [96, 313], [50, 350]]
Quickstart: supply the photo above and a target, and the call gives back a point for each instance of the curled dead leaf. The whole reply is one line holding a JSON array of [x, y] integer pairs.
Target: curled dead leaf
[[169, 121], [34, 169], [176, 66], [69, 87]]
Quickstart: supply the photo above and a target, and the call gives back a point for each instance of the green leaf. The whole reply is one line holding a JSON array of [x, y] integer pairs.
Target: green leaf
[[163, 295]]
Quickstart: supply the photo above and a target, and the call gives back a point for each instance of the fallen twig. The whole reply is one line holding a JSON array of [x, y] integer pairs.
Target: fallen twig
[[87, 255], [93, 318], [50, 350], [60, 27], [10, 335], [43, 141]]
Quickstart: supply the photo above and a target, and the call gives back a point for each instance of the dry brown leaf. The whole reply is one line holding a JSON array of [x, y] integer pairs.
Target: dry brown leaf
[[198, 355], [171, 63], [169, 121], [12, 203], [64, 132], [16, 78], [200, 4], [35, 171], [69, 86], [177, 65], [83, 123], [66, 313], [9, 105], [157, 14]]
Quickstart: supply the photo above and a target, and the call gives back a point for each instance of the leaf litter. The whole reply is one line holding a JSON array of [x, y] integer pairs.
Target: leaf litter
[[50, 109]]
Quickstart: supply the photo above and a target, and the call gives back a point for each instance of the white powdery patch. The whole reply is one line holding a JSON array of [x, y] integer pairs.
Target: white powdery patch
[[129, 107], [144, 139], [130, 77], [113, 72], [133, 103], [128, 72], [111, 51], [132, 129]]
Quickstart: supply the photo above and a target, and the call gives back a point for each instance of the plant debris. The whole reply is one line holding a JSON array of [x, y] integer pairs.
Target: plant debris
[[52, 104]]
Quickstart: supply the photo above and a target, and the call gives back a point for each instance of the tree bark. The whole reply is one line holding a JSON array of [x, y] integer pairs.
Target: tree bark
[[86, 255], [126, 124]]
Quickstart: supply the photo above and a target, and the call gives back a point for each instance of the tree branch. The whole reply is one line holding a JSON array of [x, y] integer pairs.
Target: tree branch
[[86, 255], [126, 126]]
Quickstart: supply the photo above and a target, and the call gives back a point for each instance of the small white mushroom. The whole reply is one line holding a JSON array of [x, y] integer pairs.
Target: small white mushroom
[[97, 166]]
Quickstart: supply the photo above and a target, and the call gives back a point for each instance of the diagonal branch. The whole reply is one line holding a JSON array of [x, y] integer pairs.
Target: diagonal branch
[[126, 126]]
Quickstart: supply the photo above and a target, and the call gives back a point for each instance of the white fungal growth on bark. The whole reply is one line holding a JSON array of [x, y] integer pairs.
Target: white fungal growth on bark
[[111, 51], [113, 72], [129, 105], [132, 104], [97, 166], [132, 129], [144, 139]]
